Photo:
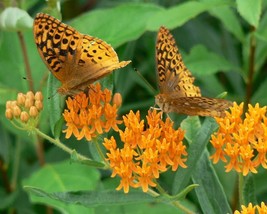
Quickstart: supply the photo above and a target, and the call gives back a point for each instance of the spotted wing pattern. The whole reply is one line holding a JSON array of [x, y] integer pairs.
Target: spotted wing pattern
[[176, 83], [75, 59]]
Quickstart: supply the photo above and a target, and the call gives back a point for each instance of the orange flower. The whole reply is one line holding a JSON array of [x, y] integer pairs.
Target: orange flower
[[246, 210], [241, 142], [146, 152], [250, 209], [89, 115]]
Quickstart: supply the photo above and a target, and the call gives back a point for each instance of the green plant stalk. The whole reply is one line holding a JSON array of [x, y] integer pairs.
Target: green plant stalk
[[59, 144], [15, 169], [240, 188]]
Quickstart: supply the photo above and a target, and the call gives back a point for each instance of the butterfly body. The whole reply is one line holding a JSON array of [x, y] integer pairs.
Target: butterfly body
[[176, 83], [75, 59]]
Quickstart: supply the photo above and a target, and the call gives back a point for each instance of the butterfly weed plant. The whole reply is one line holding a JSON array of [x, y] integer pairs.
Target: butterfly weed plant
[[182, 150]]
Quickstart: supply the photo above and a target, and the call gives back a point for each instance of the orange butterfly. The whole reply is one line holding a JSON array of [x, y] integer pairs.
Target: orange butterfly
[[75, 59], [177, 91]]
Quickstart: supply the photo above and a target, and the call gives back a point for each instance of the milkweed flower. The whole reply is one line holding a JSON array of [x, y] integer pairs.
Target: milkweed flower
[[250, 209], [90, 114], [26, 108], [146, 151], [242, 143]]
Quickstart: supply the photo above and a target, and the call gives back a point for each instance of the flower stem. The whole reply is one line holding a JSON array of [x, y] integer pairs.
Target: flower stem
[[16, 163], [59, 144], [240, 188]]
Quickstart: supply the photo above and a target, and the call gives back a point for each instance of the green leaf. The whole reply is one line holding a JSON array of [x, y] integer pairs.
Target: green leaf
[[260, 95], [95, 198], [15, 19], [230, 21], [62, 177], [112, 25], [191, 125], [195, 150], [250, 10], [210, 193], [249, 190], [55, 104], [178, 15], [203, 62]]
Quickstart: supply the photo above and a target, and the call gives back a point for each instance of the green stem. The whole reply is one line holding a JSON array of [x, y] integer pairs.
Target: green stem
[[59, 144], [159, 188], [183, 208], [240, 188], [16, 165]]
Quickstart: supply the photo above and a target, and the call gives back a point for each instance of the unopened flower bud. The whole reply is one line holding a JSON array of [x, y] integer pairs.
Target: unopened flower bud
[[21, 99], [38, 96], [38, 104], [33, 111], [9, 114], [13, 103], [8, 104], [30, 95], [16, 111], [28, 102], [117, 99], [24, 116]]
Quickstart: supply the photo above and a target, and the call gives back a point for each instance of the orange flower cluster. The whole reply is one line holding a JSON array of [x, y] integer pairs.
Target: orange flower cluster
[[243, 141], [26, 107], [86, 116], [252, 209], [146, 152]]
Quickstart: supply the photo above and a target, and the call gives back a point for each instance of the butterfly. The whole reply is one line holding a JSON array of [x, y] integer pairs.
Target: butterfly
[[176, 83], [75, 59]]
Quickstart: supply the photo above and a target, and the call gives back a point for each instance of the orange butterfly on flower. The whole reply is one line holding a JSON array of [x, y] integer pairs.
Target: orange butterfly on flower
[[177, 91], [75, 59]]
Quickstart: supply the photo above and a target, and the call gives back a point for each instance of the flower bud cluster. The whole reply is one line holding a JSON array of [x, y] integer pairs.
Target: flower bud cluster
[[25, 107]]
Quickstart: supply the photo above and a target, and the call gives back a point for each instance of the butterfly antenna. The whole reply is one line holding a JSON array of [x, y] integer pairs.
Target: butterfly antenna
[[144, 79]]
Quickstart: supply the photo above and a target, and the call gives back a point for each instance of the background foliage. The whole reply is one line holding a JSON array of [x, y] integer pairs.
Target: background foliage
[[223, 43]]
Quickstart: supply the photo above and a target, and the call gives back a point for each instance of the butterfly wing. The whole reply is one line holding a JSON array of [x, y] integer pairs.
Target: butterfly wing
[[172, 72], [73, 58], [178, 93], [201, 106]]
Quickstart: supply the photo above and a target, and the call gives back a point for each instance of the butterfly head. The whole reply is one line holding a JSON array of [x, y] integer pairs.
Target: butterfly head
[[161, 101]]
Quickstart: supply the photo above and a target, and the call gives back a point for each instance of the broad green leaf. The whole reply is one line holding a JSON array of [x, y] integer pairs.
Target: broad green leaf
[[191, 125], [250, 10], [260, 95], [230, 21], [62, 177], [210, 193], [203, 62], [195, 150], [117, 25], [95, 198], [249, 190], [182, 13]]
